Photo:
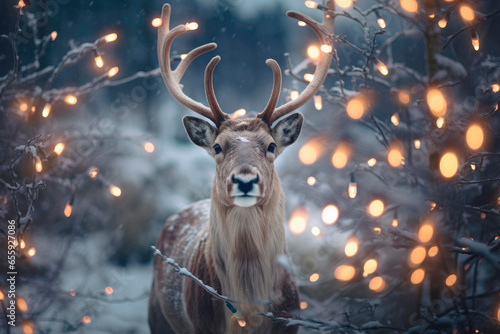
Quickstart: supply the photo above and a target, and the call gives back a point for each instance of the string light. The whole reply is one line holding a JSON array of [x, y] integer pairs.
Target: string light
[[86, 320], [313, 52], [467, 13], [184, 55], [72, 292], [395, 222], [330, 214], [27, 327], [425, 233], [315, 231], [93, 172], [410, 6], [353, 188], [59, 148], [301, 23], [371, 162], [23, 244], [298, 221], [108, 290], [377, 284], [156, 22], [377, 230], [356, 107], [239, 113], [112, 72], [474, 39], [115, 191], [32, 251], [432, 206], [436, 101], [303, 305], [376, 208], [341, 156], [21, 4], [417, 255], [433, 251], [351, 248], [308, 77], [344, 273], [440, 122], [314, 277], [294, 94], [394, 157], [417, 276], [474, 136], [381, 67], [448, 165], [344, 3], [317, 102], [417, 143], [309, 153], [46, 110], [326, 48], [451, 280], [68, 209], [495, 88], [241, 322], [311, 4], [370, 267], [381, 23], [98, 61], [395, 119], [2, 296], [149, 147], [23, 107], [442, 23], [70, 99], [311, 180], [38, 165], [111, 37], [192, 26], [53, 35]]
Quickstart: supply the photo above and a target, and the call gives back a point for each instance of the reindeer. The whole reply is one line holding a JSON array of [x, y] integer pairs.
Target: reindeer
[[233, 240]]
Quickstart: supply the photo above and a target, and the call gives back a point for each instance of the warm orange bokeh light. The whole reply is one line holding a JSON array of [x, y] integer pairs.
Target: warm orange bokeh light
[[448, 165], [436, 102], [417, 276], [425, 233], [318, 104], [156, 22], [341, 156], [417, 255], [86, 320], [409, 5], [442, 23], [67, 210], [395, 157], [376, 208], [303, 305], [370, 266], [309, 153], [377, 284], [108, 290], [314, 277], [344, 273], [298, 220], [149, 147], [21, 304], [351, 248], [355, 107], [344, 3], [433, 251], [404, 97], [192, 26], [313, 52], [330, 214], [467, 13], [474, 136], [451, 280], [115, 191], [311, 180], [70, 99]]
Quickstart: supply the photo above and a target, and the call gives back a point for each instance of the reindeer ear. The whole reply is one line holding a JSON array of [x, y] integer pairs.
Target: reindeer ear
[[287, 130], [199, 131]]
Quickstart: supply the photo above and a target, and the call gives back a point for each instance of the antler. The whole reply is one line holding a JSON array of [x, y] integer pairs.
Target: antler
[[172, 78], [323, 30]]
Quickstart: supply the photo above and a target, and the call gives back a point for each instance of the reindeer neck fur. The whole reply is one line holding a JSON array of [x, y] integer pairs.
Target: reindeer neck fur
[[245, 244]]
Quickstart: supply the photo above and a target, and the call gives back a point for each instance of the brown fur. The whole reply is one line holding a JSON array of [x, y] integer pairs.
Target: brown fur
[[234, 249]]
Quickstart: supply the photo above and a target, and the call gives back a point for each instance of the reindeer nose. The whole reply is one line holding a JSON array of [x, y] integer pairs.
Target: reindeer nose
[[245, 182]]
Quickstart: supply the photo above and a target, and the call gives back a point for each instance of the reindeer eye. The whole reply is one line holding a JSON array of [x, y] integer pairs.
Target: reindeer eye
[[217, 148], [271, 148]]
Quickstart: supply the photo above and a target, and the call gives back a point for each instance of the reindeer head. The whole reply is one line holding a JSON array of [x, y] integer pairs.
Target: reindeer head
[[244, 149]]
